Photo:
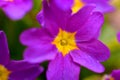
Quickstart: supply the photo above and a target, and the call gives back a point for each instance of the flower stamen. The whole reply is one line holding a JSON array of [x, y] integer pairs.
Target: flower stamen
[[63, 42]]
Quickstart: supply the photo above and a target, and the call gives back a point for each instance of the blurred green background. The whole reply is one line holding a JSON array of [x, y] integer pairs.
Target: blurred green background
[[13, 30]]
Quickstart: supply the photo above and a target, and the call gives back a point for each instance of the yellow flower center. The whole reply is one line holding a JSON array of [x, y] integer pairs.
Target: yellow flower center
[[9, 0], [78, 4], [4, 73], [65, 42]]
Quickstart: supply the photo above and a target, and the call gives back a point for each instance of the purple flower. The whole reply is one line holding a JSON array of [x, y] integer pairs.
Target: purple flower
[[102, 5], [67, 40], [75, 5], [15, 70], [16, 9], [115, 75], [118, 36]]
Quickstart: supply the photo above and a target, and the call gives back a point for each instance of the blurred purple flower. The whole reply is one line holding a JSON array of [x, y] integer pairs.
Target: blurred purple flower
[[118, 36], [75, 5], [16, 9], [15, 70], [115, 75], [101, 5], [68, 41]]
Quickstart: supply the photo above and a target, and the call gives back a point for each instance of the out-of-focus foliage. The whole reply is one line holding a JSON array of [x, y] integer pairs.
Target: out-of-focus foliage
[[108, 36]]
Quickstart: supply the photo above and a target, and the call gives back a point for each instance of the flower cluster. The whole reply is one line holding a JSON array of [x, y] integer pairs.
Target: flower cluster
[[68, 39]]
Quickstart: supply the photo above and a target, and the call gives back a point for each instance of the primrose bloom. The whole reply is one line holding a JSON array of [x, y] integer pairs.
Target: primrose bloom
[[15, 70], [16, 9], [67, 40], [115, 75], [101, 5], [75, 5]]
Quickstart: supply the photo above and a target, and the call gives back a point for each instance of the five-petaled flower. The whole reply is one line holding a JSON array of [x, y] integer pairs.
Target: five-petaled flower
[[15, 70], [16, 9], [67, 40], [115, 75]]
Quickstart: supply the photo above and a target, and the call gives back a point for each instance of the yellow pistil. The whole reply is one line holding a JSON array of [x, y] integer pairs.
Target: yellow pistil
[[78, 4], [4, 73], [9, 0], [65, 42]]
